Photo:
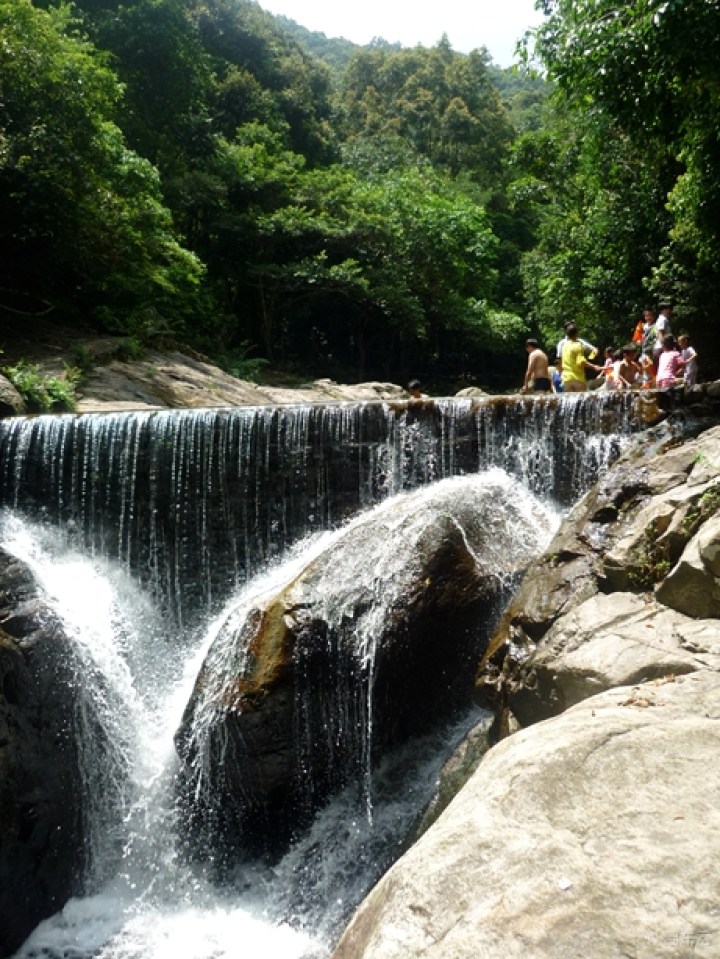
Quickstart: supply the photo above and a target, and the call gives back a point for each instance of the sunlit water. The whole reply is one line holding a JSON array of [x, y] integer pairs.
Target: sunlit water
[[143, 900]]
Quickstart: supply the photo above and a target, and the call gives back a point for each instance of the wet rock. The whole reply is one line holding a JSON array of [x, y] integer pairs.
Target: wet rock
[[457, 770], [593, 834], [471, 391], [41, 838], [372, 642]]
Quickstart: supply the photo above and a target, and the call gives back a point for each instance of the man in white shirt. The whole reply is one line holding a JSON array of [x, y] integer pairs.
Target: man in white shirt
[[662, 323], [690, 370]]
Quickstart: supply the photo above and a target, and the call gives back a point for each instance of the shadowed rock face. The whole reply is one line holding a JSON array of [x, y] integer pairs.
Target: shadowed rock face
[[40, 835], [372, 642]]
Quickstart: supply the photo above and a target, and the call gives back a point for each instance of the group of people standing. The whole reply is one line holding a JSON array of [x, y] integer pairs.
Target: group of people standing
[[654, 359]]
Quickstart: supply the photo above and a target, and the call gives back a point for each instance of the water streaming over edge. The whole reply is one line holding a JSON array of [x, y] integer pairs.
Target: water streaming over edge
[[162, 493], [195, 502]]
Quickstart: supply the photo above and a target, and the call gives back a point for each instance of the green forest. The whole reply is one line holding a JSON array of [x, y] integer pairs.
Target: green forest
[[203, 173]]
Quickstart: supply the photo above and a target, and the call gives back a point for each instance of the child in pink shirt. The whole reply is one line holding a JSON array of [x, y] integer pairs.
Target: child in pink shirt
[[670, 364]]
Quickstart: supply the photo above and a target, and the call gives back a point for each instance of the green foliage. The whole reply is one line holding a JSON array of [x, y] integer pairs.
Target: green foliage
[[165, 73], [443, 105], [132, 348], [189, 170], [292, 89], [241, 364], [41, 393], [657, 554], [648, 73], [601, 221], [81, 217], [84, 363], [395, 258], [335, 52]]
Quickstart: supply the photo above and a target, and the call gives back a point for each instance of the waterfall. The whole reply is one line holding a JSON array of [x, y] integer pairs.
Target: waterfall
[[150, 534], [142, 902], [195, 502]]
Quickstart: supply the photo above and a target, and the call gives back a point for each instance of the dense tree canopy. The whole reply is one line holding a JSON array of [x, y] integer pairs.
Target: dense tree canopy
[[82, 222], [643, 79], [201, 168]]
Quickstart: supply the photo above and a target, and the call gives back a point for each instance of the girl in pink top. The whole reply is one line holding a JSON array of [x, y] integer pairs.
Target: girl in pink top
[[670, 364]]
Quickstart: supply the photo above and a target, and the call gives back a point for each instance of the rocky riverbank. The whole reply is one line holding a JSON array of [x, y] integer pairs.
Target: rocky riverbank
[[593, 830], [115, 378]]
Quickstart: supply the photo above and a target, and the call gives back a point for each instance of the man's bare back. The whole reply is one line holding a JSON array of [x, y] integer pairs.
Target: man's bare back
[[537, 375]]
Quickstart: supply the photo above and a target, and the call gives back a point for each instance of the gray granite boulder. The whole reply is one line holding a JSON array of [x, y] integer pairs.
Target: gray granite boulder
[[591, 834], [593, 611], [11, 403], [693, 585], [607, 641]]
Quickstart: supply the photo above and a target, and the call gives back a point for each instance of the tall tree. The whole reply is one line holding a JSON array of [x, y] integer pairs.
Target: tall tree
[[82, 225], [441, 103], [653, 68]]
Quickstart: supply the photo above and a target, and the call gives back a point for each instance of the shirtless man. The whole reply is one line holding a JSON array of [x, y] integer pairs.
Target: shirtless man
[[537, 375], [629, 372]]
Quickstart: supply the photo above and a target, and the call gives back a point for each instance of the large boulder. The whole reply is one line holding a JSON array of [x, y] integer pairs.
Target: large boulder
[[607, 641], [368, 644], [41, 840], [591, 834], [173, 380], [593, 612], [693, 585]]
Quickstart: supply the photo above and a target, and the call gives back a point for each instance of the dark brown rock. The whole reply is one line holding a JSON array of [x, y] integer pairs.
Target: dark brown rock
[[40, 795], [371, 643]]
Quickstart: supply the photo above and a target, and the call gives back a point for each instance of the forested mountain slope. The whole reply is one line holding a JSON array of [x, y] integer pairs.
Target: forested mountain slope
[[200, 170]]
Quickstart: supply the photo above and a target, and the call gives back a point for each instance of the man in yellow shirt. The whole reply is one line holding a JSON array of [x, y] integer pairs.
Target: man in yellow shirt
[[573, 362]]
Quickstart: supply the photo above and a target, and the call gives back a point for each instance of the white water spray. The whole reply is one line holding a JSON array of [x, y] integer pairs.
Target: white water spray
[[144, 901]]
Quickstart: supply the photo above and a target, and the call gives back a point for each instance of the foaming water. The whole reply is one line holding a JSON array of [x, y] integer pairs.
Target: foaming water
[[143, 899]]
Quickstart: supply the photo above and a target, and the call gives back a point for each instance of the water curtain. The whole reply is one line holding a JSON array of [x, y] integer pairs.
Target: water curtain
[[194, 502]]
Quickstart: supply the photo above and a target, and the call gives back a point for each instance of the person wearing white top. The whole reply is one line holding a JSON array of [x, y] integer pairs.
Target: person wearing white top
[[587, 347], [662, 323], [690, 370], [662, 329]]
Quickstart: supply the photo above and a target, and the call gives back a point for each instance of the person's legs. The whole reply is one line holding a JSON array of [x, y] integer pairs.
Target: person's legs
[[575, 386]]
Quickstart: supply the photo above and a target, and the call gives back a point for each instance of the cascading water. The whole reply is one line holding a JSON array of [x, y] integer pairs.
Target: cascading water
[[195, 502], [379, 633], [142, 901], [173, 515]]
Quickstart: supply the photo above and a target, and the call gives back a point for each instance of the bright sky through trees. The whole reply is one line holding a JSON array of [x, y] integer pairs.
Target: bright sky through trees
[[495, 24]]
